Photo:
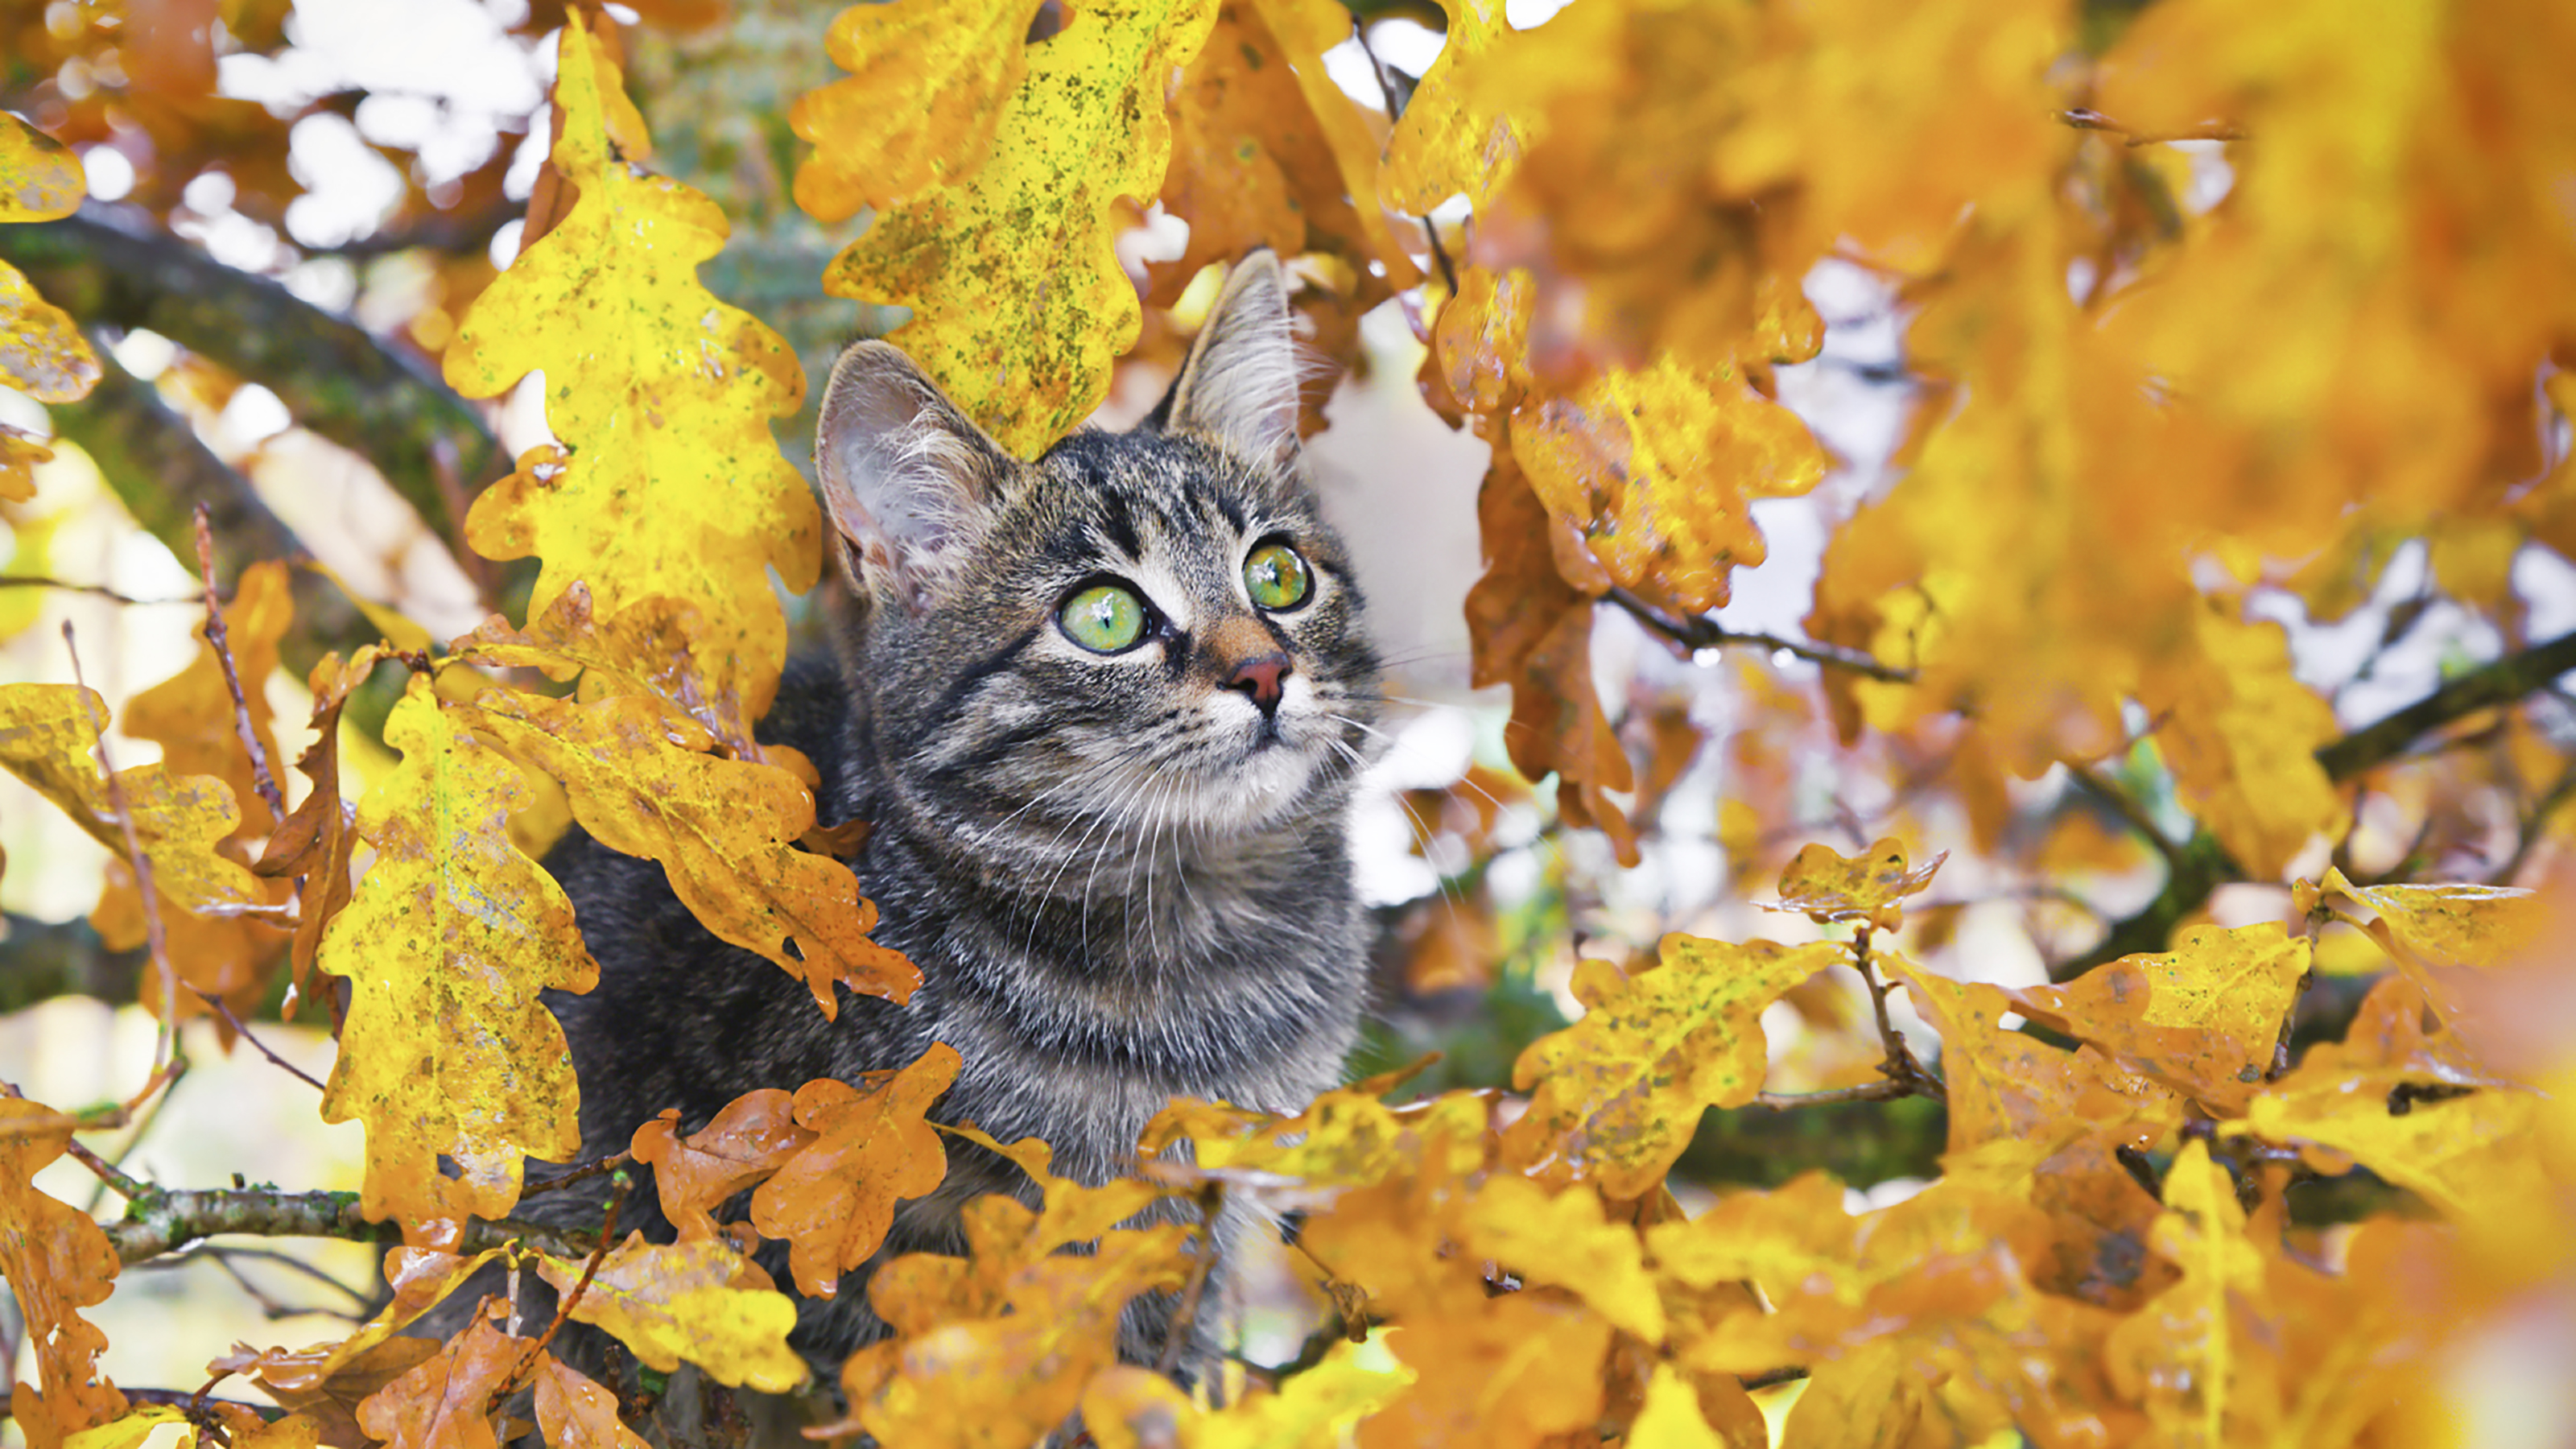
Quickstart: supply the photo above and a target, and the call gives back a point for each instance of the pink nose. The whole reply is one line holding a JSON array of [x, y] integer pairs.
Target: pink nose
[[1259, 679]]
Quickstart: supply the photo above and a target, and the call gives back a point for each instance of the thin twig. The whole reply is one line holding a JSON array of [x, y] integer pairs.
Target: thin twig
[[34, 581], [263, 1255], [2084, 119], [134, 1140], [1902, 1069], [108, 1173], [1386, 88], [166, 1049], [224, 1010], [1697, 631], [1883, 1091], [185, 1398], [572, 1300], [2090, 781], [1769, 1377], [583, 1173], [2534, 825], [218, 639], [1176, 1334]]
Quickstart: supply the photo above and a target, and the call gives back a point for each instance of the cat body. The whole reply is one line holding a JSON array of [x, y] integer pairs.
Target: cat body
[[1102, 713]]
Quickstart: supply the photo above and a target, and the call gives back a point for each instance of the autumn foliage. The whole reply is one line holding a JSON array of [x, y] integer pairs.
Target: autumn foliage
[[2212, 315]]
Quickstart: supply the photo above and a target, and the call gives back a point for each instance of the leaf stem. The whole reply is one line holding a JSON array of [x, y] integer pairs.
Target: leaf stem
[[219, 640], [1211, 1196]]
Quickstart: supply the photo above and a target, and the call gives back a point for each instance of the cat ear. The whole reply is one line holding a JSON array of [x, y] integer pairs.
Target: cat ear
[[1239, 385], [908, 478]]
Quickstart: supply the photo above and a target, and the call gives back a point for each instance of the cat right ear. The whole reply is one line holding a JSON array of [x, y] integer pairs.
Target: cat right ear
[[909, 479]]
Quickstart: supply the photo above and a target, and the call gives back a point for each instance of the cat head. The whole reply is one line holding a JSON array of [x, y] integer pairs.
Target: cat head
[[1140, 633]]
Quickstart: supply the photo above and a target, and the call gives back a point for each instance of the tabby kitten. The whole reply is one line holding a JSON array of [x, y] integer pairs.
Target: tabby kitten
[[1103, 712]]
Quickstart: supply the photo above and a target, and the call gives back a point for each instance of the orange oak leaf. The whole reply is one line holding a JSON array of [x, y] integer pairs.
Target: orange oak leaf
[[1618, 1093], [2181, 1354], [834, 1201], [576, 1413], [351, 1369], [642, 782], [647, 649], [1532, 629], [445, 1401], [319, 837], [2203, 1020], [750, 1139], [447, 1052], [1868, 887], [57, 1262], [702, 1301]]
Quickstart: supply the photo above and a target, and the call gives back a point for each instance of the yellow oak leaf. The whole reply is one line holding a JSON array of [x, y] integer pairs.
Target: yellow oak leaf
[[446, 943], [2469, 1156], [1656, 469], [1344, 1138], [57, 1262], [2203, 1020], [132, 1429], [1069, 1212], [1619, 1093], [574, 1412], [646, 649], [641, 782], [42, 351], [49, 737], [1018, 303], [1866, 887], [1132, 1408], [673, 485], [701, 1301], [2241, 734], [445, 1401], [1453, 139], [834, 1200], [1011, 1378], [2445, 924], [2181, 1354], [1562, 1239], [918, 109]]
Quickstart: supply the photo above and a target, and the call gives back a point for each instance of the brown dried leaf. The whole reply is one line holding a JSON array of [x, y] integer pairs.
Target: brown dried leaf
[[445, 1402], [58, 1262], [750, 1139]]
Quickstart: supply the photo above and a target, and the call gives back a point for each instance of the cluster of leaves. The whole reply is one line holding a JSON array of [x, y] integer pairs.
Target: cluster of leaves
[[2099, 478]]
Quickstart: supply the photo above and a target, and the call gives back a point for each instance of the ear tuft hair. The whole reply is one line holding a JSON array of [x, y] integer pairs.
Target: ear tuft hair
[[909, 480], [1239, 385]]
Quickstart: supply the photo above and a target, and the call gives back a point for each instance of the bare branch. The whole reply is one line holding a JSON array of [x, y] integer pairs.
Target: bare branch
[[36, 581], [1698, 631], [165, 1219]]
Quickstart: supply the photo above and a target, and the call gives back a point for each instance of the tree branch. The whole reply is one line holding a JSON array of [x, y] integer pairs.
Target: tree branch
[[2200, 866], [165, 1219], [336, 378], [1698, 631]]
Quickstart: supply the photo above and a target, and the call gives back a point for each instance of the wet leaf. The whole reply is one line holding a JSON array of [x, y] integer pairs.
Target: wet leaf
[[446, 943], [57, 1262], [723, 830], [445, 1402], [834, 1201], [1018, 304], [673, 486], [1867, 887], [576, 1413], [701, 1301], [750, 1139], [1618, 1093]]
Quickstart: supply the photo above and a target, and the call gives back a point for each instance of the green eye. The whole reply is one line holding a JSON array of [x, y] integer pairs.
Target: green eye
[[1276, 577], [1104, 618]]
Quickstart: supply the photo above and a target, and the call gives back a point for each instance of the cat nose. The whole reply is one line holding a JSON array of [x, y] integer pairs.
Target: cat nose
[[1259, 679]]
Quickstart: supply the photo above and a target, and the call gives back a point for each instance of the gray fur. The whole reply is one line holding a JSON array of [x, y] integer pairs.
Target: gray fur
[[1121, 880]]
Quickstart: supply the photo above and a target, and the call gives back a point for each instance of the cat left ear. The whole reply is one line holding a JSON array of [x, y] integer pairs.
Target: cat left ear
[[908, 478], [1239, 385]]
